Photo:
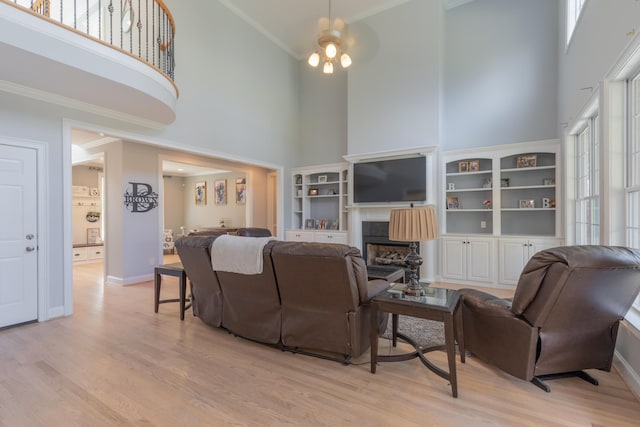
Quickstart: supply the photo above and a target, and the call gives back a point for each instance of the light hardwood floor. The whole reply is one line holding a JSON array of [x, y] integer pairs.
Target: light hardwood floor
[[116, 362]]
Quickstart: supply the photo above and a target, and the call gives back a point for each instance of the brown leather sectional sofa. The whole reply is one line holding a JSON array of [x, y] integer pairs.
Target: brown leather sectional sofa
[[310, 297]]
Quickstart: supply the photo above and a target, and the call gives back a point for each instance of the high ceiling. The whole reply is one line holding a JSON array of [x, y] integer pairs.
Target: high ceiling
[[293, 24]]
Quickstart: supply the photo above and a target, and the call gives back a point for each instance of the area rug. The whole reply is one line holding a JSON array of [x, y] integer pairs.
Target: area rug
[[424, 332]]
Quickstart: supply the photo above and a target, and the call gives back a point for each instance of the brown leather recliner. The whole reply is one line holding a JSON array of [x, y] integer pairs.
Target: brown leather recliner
[[195, 255], [563, 318], [325, 297]]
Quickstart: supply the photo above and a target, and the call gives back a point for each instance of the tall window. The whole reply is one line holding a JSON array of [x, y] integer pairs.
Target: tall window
[[632, 185], [587, 184], [574, 8]]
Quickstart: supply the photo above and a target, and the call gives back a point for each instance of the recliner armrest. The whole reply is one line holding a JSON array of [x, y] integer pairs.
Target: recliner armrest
[[376, 286], [489, 304]]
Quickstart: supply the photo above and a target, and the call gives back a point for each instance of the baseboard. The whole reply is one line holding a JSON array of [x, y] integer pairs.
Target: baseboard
[[626, 358], [54, 312], [629, 376], [112, 280]]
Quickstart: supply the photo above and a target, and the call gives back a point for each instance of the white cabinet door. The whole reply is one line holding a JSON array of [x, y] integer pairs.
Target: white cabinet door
[[299, 236], [515, 253], [331, 237], [454, 258], [513, 256], [480, 260], [95, 252]]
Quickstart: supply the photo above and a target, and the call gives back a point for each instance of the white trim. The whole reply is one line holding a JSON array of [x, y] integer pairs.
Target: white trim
[[44, 253], [355, 158], [627, 62], [450, 4], [54, 312], [113, 280], [63, 101]]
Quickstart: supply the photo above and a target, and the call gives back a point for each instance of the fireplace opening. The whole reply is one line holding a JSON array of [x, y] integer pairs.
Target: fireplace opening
[[381, 252]]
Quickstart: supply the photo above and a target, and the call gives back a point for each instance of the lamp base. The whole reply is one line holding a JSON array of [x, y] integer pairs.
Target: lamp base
[[414, 261], [414, 292]]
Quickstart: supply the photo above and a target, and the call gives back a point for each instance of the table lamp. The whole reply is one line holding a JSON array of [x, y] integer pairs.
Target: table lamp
[[413, 225]]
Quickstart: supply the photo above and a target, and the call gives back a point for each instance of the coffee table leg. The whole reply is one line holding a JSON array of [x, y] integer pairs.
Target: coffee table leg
[[459, 331], [394, 329], [374, 336], [183, 293], [449, 338]]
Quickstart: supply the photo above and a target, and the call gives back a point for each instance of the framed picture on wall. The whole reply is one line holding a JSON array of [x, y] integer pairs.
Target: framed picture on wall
[[220, 188], [241, 191], [93, 236], [200, 191]]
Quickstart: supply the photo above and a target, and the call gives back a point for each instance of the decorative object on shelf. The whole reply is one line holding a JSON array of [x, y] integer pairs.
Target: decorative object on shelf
[[453, 202], [504, 182], [451, 186], [488, 183], [200, 191], [140, 198], [298, 179], [93, 192], [413, 225], [241, 191], [93, 216], [463, 166], [487, 204], [331, 46], [527, 204], [322, 179], [220, 189], [331, 192], [552, 203], [93, 236], [548, 181], [474, 166], [546, 203], [313, 191], [310, 224], [527, 161]]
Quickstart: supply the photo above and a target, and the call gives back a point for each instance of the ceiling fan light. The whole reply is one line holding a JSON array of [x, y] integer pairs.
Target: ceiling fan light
[[314, 59], [345, 60], [328, 68], [331, 50]]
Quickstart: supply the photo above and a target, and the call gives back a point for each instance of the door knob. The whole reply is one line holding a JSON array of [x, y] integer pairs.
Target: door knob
[[30, 248]]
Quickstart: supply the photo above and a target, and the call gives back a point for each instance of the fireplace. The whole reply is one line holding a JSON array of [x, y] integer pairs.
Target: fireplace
[[378, 250]]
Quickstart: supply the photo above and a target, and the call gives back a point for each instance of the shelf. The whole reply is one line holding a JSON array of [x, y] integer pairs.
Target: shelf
[[537, 168], [527, 187], [324, 183], [321, 196], [526, 209], [487, 172], [467, 190], [470, 210]]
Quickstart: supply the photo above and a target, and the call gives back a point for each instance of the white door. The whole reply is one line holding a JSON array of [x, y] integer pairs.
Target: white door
[[513, 256], [18, 236]]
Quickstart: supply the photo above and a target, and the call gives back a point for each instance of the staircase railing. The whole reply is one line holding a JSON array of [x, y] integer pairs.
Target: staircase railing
[[142, 28]]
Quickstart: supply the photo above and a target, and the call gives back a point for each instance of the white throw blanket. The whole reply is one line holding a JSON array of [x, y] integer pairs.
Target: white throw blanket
[[238, 254]]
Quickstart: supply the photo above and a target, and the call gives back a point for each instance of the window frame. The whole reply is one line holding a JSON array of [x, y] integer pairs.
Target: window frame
[[573, 10]]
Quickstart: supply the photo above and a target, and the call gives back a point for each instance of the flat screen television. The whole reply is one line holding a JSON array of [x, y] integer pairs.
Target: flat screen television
[[388, 181]]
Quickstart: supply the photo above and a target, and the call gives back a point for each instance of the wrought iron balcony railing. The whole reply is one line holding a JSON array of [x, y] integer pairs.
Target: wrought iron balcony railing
[[142, 28]]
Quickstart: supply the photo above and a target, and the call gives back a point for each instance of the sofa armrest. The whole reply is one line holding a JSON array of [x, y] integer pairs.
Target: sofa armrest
[[375, 287]]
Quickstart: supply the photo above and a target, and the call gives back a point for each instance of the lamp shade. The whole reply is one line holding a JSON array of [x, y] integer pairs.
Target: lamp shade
[[413, 224]]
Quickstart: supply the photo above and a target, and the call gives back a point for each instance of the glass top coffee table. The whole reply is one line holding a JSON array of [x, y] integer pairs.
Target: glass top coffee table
[[438, 304]]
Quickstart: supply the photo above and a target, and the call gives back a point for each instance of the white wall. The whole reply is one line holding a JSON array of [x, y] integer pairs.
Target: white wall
[[323, 116], [394, 82], [501, 73], [603, 31], [210, 214]]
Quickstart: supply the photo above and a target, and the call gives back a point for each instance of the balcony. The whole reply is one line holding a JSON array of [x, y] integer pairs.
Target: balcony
[[112, 57]]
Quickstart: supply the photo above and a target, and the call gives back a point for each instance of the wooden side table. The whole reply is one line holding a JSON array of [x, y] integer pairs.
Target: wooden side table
[[438, 304], [175, 270]]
